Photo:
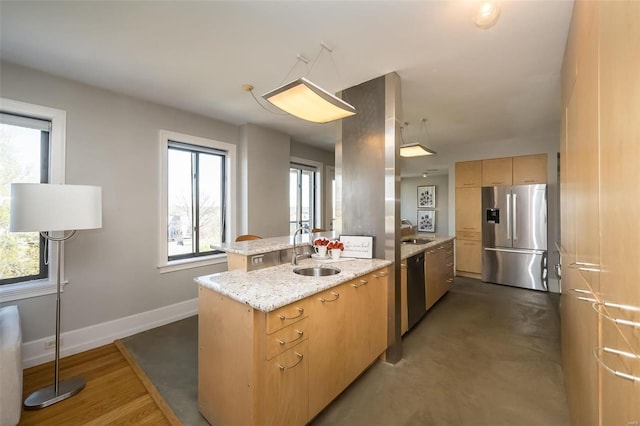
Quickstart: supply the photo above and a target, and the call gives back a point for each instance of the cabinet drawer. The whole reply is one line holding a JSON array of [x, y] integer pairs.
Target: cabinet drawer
[[287, 380], [469, 256], [469, 235], [287, 337], [286, 315]]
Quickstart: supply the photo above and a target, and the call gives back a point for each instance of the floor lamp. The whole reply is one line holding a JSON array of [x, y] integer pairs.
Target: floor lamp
[[48, 208]]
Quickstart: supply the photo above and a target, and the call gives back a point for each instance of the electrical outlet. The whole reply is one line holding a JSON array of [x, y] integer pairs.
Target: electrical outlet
[[50, 344]]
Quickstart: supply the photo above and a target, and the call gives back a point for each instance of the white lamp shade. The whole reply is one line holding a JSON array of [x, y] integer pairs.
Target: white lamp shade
[[49, 207], [415, 150], [305, 100]]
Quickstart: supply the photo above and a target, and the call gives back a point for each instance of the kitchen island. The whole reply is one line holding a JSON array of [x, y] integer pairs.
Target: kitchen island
[[275, 347]]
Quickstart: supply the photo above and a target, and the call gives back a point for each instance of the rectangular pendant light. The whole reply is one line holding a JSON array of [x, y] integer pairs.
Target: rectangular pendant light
[[309, 102], [415, 150]]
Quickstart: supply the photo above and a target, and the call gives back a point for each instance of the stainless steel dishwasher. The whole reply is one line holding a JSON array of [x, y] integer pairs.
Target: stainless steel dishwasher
[[416, 303]]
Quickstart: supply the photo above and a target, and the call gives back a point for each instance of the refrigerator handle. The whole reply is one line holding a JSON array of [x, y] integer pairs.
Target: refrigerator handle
[[515, 217], [508, 216]]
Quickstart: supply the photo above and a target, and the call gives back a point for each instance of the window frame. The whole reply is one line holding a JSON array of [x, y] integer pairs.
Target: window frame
[[166, 138], [57, 148], [318, 169]]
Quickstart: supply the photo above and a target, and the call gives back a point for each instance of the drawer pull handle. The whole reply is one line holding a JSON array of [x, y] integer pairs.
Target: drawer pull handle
[[586, 292], [449, 264], [585, 266], [450, 280], [283, 367], [634, 324], [597, 352], [382, 274], [337, 296], [300, 334], [300, 312], [363, 282]]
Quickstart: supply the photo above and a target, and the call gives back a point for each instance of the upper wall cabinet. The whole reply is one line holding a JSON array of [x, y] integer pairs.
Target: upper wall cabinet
[[497, 171], [469, 174], [530, 169]]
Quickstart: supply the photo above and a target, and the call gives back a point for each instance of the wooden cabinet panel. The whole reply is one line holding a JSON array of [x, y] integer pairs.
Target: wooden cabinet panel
[[468, 174], [469, 256], [286, 378], [468, 209], [327, 365], [404, 314], [530, 169], [378, 314], [497, 171]]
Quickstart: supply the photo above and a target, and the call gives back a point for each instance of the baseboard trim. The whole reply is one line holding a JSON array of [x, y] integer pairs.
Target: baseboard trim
[[83, 339]]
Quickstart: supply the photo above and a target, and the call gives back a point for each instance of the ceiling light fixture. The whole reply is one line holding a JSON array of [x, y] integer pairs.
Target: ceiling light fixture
[[414, 149], [308, 101], [487, 14]]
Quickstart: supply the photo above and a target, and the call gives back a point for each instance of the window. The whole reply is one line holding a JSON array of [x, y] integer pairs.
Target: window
[[24, 157], [196, 195], [31, 150], [304, 194]]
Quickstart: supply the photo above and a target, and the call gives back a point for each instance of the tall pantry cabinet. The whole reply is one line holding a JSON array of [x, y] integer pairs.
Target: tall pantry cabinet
[[600, 201]]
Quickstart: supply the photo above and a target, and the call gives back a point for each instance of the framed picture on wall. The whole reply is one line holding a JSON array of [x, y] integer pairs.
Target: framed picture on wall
[[427, 196], [426, 221]]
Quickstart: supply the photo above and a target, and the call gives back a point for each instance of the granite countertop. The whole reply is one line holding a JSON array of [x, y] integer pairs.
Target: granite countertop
[[408, 250], [271, 288], [265, 245]]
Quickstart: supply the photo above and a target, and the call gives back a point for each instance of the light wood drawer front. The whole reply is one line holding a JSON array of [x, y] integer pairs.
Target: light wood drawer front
[[469, 235], [286, 315], [287, 337]]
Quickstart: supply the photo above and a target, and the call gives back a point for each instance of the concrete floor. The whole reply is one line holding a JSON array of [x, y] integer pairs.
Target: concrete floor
[[483, 355]]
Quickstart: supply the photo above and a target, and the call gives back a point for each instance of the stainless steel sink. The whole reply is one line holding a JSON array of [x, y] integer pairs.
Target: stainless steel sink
[[316, 271], [417, 241]]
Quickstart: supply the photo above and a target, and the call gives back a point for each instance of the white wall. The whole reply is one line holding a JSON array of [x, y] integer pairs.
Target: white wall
[[409, 200], [112, 141]]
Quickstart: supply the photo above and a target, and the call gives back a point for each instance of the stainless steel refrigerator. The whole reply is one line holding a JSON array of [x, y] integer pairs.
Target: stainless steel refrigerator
[[514, 236]]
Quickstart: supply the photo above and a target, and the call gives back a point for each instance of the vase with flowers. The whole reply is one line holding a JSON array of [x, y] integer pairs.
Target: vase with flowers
[[335, 248], [320, 246]]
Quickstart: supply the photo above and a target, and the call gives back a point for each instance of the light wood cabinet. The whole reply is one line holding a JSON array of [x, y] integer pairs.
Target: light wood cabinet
[[404, 313], [468, 257], [468, 212], [530, 169], [283, 367], [497, 171], [469, 174], [438, 272], [600, 198]]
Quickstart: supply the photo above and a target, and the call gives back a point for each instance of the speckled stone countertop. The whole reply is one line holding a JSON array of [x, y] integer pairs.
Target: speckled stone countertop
[[266, 245], [271, 288], [408, 250]]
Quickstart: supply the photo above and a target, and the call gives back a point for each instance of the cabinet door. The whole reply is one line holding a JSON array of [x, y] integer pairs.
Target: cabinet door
[[469, 211], [469, 256], [378, 313], [327, 346], [579, 338], [530, 169], [356, 328], [469, 174], [497, 171], [620, 200], [287, 387], [432, 276], [404, 316]]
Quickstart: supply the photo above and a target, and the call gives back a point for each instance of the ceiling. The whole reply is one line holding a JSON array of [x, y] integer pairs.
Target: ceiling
[[472, 85]]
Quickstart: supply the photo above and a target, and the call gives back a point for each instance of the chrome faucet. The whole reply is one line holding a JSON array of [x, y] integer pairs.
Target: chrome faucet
[[294, 255]]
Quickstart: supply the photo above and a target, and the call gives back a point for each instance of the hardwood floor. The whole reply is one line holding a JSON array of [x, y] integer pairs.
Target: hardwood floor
[[117, 392]]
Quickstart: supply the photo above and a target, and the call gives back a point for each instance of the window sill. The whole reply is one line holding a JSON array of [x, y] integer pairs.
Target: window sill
[[28, 289], [197, 262]]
